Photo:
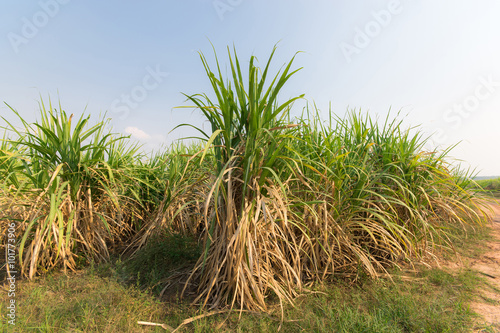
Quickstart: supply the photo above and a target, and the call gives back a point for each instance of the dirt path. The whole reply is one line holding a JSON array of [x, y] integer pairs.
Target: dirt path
[[489, 265]]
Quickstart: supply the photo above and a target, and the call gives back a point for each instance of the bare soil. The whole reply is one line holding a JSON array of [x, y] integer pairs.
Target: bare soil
[[488, 264]]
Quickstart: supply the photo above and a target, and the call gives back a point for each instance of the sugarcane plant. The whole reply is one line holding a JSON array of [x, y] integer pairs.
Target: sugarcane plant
[[72, 207], [296, 200]]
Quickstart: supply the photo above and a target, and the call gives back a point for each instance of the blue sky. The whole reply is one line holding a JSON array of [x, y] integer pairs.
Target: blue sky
[[438, 62]]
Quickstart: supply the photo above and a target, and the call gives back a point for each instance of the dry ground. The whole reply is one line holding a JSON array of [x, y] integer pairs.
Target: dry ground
[[488, 264]]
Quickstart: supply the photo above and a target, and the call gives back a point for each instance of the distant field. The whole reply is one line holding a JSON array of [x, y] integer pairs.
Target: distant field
[[485, 177], [490, 185]]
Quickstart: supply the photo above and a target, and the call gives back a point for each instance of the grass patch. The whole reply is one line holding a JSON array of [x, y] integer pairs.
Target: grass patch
[[464, 241], [434, 301], [81, 302], [430, 301], [415, 305]]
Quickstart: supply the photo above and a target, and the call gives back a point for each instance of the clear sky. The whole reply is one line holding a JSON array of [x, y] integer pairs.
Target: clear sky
[[437, 61]]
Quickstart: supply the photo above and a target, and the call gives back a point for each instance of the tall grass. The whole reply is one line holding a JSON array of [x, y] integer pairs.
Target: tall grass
[[276, 202], [72, 178], [80, 192], [239, 262], [174, 188], [298, 201]]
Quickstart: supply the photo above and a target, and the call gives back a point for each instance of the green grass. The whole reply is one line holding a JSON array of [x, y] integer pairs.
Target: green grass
[[465, 243], [434, 302], [97, 301], [82, 302], [490, 186]]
